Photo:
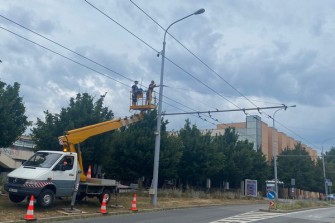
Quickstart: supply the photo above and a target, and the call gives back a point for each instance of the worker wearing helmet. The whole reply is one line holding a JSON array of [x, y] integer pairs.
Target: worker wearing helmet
[[151, 87], [134, 90]]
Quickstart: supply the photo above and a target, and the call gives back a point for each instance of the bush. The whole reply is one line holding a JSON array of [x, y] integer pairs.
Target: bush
[[190, 193], [300, 204]]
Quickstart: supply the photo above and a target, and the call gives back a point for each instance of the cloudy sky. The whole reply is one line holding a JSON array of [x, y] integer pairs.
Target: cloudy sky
[[238, 54]]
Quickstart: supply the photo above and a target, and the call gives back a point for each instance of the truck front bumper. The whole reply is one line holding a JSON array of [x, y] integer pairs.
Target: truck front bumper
[[22, 190]]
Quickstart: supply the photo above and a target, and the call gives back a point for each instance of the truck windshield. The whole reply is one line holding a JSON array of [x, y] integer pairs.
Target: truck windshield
[[42, 159]]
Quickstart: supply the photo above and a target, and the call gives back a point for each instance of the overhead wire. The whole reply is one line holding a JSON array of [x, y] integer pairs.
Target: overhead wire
[[141, 40], [199, 60], [295, 133], [72, 51], [189, 52], [81, 54], [193, 110], [119, 24], [113, 70], [61, 55], [206, 65], [74, 61], [144, 42], [227, 110], [231, 96], [196, 58], [177, 64], [171, 61]]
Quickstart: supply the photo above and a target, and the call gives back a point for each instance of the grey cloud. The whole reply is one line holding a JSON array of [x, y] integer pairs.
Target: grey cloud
[[27, 18], [277, 51]]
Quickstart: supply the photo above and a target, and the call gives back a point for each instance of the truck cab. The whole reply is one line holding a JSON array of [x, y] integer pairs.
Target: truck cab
[[46, 175]]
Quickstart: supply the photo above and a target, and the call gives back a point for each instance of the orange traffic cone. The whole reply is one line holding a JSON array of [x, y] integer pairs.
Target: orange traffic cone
[[133, 204], [88, 175], [103, 209], [30, 212]]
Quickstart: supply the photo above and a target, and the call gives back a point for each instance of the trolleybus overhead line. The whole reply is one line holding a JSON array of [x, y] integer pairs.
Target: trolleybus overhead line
[[228, 110]]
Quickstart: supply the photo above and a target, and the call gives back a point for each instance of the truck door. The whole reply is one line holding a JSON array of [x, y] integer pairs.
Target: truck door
[[64, 176]]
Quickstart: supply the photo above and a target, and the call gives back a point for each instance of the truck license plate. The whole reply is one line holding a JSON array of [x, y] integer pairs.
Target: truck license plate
[[12, 190]]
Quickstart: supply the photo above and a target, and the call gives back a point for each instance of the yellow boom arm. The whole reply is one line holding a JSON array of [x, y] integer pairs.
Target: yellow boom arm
[[76, 136]]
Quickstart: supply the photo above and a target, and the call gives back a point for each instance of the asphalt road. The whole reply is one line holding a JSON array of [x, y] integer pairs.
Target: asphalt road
[[219, 214], [185, 215], [319, 215]]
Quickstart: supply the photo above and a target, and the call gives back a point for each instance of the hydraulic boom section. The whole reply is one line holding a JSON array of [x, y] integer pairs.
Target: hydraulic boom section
[[76, 136]]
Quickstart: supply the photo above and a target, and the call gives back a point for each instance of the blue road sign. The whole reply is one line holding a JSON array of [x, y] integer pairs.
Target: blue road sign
[[271, 195]]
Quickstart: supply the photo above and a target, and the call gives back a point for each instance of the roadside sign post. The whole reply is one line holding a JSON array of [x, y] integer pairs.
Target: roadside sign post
[[250, 188], [293, 186], [271, 195]]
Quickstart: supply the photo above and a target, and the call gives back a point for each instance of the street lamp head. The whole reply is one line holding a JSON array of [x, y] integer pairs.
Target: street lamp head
[[291, 106], [200, 11]]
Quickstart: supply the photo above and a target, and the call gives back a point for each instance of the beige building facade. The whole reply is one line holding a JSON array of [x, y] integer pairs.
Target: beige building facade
[[263, 136], [13, 156]]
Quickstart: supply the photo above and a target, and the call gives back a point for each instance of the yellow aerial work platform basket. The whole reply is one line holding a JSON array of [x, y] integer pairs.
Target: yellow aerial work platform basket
[[142, 101]]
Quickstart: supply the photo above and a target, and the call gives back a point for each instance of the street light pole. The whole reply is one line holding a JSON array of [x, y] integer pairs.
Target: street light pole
[[274, 147], [324, 172], [159, 114], [324, 167]]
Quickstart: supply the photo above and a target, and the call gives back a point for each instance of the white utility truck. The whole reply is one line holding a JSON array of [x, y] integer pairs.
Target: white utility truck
[[50, 174]]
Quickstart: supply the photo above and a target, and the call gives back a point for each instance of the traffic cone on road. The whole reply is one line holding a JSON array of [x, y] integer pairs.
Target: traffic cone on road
[[88, 175], [103, 209], [30, 211], [133, 204]]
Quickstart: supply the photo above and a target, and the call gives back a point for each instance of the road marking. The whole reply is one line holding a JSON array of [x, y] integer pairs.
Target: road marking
[[249, 217]]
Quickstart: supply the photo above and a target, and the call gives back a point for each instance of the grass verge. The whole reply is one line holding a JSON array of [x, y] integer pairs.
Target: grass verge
[[167, 199], [301, 204]]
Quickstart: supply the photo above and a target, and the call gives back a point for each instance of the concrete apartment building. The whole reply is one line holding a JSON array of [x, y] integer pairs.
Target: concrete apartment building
[[263, 136]]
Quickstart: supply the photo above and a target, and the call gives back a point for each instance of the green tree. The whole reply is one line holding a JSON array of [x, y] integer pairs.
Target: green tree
[[201, 158], [330, 168], [12, 114], [260, 170], [317, 176], [132, 154], [296, 163], [170, 156], [82, 111], [242, 160]]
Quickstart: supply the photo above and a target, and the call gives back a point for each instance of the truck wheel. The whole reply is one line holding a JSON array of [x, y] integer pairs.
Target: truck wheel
[[16, 198], [46, 198], [108, 196]]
